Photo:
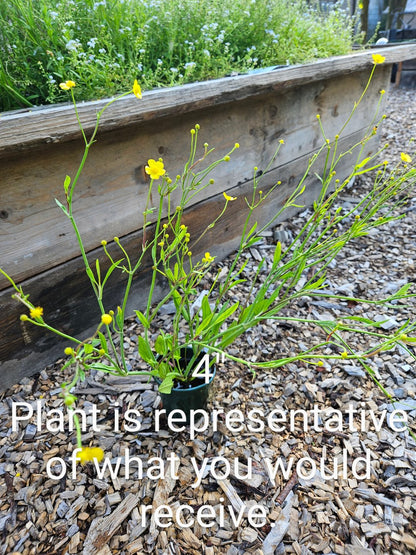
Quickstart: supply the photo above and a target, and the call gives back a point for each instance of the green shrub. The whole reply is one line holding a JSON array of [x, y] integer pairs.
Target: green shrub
[[103, 45]]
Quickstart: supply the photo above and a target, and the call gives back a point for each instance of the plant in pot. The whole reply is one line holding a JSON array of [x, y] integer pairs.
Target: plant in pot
[[182, 358]]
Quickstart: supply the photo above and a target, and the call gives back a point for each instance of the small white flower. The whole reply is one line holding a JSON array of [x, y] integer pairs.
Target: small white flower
[[72, 45]]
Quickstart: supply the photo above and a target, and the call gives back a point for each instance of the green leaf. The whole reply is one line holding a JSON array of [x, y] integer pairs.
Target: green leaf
[[145, 351], [252, 230], [62, 207], [403, 290], [177, 299], [104, 368], [142, 319], [216, 320], [362, 163], [103, 341], [67, 183], [111, 269], [88, 349], [119, 318], [167, 384], [90, 274], [363, 320], [206, 309], [252, 241], [160, 345], [97, 267], [277, 253], [318, 283], [231, 335]]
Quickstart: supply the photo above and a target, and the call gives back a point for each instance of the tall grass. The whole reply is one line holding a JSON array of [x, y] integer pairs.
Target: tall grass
[[104, 45]]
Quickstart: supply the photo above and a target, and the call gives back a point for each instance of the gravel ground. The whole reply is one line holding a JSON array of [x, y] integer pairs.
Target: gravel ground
[[349, 514]]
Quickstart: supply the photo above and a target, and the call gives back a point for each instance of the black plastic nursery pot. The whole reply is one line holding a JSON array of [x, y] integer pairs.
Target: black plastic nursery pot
[[188, 396]]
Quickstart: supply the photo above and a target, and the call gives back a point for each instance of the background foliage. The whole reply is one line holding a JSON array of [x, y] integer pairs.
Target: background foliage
[[104, 45]]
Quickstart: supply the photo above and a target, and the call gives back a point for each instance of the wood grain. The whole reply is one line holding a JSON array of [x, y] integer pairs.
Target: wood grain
[[36, 236]]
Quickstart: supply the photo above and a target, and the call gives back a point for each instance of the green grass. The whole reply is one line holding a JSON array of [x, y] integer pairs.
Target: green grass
[[104, 45]]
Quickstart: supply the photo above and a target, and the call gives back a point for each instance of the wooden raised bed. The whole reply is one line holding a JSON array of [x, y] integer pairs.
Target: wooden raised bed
[[39, 147]]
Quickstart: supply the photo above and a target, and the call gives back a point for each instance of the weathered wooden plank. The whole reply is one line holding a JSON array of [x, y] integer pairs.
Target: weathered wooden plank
[[26, 128], [65, 293], [35, 235]]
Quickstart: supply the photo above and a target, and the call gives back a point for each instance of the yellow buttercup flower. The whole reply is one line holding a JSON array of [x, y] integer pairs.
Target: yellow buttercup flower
[[227, 197], [344, 354], [378, 59], [155, 168], [36, 313], [67, 85], [106, 319], [208, 258], [88, 454], [137, 90], [405, 158]]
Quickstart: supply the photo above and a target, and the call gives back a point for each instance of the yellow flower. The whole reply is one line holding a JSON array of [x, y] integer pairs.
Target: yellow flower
[[378, 59], [227, 197], [281, 142], [344, 354], [361, 5], [405, 158], [69, 351], [36, 313], [155, 168], [208, 258], [67, 85], [320, 363], [137, 90], [106, 319], [237, 145], [88, 454], [227, 158]]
